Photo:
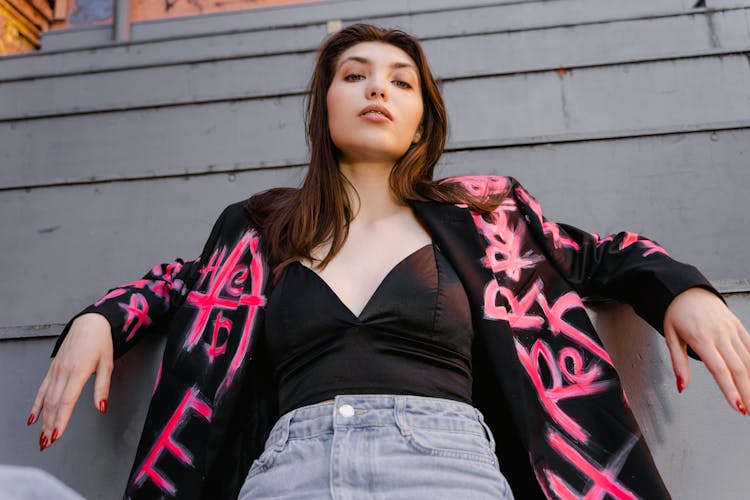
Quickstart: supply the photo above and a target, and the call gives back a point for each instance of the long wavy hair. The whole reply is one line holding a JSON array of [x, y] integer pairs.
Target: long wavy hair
[[293, 222]]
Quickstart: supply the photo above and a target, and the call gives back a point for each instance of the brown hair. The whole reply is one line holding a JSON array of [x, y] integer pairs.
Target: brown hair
[[293, 222]]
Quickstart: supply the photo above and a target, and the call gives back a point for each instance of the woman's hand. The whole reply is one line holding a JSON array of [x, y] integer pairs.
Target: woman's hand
[[700, 319], [86, 349]]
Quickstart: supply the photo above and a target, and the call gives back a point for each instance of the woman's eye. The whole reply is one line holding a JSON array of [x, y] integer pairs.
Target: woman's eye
[[402, 84], [353, 77]]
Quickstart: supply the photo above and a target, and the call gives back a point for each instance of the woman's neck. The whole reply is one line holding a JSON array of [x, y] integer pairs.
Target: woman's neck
[[374, 199]]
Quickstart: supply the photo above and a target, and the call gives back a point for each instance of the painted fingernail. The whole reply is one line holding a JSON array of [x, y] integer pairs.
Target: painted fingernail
[[42, 441], [741, 407], [31, 420], [680, 384], [54, 436], [103, 406]]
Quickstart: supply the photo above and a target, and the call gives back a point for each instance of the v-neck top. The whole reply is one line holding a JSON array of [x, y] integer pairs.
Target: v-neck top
[[413, 336]]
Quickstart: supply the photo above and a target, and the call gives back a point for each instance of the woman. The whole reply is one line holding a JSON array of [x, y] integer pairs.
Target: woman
[[376, 333]]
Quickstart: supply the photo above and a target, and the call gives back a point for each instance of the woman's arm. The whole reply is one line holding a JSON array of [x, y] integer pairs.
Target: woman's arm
[[103, 332], [675, 298]]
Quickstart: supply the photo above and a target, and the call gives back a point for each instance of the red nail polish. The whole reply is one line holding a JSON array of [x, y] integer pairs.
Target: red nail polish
[[31, 419], [42, 441], [741, 407], [54, 436], [680, 384], [103, 406]]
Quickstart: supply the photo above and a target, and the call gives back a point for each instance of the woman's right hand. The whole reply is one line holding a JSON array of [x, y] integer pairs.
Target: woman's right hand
[[87, 349]]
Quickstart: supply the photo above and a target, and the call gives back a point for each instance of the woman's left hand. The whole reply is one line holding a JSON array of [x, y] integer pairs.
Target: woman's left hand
[[698, 318]]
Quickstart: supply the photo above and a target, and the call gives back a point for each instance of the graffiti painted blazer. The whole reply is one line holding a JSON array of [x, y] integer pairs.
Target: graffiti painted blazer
[[541, 376]]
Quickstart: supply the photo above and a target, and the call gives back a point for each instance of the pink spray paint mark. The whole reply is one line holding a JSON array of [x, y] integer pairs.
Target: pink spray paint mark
[[503, 254], [166, 442], [214, 349], [603, 480], [136, 314], [253, 301], [554, 314], [221, 276], [581, 384], [630, 239], [111, 295], [650, 246], [518, 316]]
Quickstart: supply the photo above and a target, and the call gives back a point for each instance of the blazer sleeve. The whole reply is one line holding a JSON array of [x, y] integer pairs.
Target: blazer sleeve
[[141, 307], [625, 266]]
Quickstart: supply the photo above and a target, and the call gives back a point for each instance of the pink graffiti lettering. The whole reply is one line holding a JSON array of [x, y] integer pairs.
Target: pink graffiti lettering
[[211, 268], [255, 299], [217, 350], [512, 261], [166, 441], [220, 277], [604, 480], [518, 316], [558, 325], [580, 383], [136, 314], [234, 285]]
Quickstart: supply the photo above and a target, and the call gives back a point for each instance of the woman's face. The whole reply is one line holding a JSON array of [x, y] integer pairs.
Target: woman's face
[[374, 103]]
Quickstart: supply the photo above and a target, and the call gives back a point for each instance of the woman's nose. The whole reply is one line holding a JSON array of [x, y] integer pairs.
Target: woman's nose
[[377, 89]]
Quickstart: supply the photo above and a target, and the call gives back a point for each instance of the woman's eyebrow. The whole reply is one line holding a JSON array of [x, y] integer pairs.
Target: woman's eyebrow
[[364, 60]]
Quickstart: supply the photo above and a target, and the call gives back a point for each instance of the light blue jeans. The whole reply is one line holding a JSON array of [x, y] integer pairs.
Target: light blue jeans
[[378, 446]]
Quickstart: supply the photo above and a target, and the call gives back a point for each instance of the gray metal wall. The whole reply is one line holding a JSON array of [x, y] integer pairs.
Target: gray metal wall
[[614, 114]]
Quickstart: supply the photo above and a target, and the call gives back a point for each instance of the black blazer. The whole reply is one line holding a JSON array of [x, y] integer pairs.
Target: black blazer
[[542, 378]]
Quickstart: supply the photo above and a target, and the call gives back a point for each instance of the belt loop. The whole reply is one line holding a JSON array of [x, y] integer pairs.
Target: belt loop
[[286, 423], [399, 412]]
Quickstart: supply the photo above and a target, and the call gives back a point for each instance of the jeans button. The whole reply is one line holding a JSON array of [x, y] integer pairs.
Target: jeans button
[[346, 410]]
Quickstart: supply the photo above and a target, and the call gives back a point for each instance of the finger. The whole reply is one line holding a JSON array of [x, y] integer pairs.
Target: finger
[[678, 353], [101, 385], [70, 395], [721, 372], [739, 365], [36, 407], [50, 404]]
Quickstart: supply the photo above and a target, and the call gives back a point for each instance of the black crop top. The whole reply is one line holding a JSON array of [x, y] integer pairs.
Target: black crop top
[[413, 336]]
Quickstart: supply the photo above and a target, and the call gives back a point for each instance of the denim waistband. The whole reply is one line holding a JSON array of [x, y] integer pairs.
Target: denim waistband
[[372, 410]]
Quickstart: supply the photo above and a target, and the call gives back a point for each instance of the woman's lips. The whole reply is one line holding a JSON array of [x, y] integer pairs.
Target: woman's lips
[[374, 116], [376, 112]]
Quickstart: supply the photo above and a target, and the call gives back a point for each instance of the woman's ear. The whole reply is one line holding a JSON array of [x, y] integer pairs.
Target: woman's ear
[[417, 135]]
